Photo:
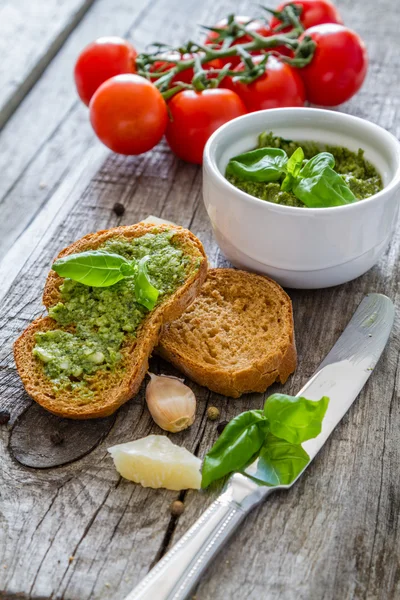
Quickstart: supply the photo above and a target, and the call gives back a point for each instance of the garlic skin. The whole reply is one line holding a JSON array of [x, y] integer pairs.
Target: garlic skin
[[171, 403]]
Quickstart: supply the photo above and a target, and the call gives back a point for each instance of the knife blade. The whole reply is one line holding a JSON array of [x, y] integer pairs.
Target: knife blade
[[341, 376]]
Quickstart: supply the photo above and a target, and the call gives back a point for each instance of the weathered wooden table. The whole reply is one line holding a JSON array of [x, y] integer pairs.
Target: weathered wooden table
[[78, 531]]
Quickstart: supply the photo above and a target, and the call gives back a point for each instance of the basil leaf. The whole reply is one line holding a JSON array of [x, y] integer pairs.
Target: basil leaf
[[98, 268], [295, 162], [293, 169], [279, 462], [317, 164], [295, 419], [237, 444], [325, 189], [145, 292], [262, 164], [95, 268]]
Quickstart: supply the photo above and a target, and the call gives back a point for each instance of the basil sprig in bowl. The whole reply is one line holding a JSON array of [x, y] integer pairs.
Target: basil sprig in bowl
[[329, 232], [313, 183]]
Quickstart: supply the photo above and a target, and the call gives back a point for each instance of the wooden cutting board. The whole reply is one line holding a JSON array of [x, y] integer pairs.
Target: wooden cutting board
[[70, 527]]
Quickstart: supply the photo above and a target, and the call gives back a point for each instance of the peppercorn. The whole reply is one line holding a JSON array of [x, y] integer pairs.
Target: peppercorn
[[4, 417], [119, 209], [56, 438], [213, 413], [221, 426], [177, 507]]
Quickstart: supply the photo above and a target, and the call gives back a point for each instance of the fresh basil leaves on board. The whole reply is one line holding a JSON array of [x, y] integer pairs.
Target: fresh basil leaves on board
[[97, 268], [273, 435], [314, 182], [279, 462]]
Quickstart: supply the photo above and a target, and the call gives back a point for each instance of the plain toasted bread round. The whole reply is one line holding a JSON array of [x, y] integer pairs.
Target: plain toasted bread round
[[236, 337], [111, 389]]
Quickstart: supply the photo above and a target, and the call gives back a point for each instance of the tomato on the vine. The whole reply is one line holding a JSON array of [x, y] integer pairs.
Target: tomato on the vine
[[102, 59], [279, 86], [195, 116], [128, 114], [314, 12], [338, 67]]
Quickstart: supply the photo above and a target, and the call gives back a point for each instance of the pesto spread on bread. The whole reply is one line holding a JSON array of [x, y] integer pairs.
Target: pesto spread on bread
[[96, 321], [358, 174]]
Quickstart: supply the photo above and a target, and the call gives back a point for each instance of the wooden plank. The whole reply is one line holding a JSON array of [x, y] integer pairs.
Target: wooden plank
[[59, 133], [50, 216], [31, 33], [335, 535]]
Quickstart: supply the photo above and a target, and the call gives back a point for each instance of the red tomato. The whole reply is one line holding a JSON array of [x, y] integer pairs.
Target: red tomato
[[195, 116], [255, 26], [102, 59], [128, 114], [280, 86], [315, 12], [185, 76], [338, 67]]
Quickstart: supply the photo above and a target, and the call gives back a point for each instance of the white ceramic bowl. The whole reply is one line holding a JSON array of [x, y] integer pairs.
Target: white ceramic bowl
[[302, 247]]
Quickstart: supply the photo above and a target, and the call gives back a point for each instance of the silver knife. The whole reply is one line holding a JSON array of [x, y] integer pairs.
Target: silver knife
[[341, 376]]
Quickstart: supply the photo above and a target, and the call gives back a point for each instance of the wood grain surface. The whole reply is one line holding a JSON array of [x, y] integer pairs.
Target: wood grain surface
[[31, 33], [45, 140], [78, 531]]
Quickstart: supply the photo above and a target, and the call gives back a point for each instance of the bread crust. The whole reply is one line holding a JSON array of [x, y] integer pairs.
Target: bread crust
[[115, 390], [265, 367]]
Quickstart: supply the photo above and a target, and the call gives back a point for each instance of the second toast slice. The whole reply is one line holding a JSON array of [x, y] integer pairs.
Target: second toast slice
[[236, 337]]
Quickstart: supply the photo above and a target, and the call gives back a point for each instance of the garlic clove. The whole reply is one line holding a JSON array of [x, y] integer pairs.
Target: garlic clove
[[171, 403]]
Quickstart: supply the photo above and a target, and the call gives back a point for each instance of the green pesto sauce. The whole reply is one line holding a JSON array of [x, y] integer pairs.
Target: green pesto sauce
[[359, 174], [99, 320]]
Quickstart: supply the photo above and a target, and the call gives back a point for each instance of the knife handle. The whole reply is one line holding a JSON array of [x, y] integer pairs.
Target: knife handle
[[176, 574]]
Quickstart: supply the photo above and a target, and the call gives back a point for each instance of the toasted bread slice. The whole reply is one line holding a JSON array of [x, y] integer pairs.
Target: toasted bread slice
[[236, 337], [110, 388]]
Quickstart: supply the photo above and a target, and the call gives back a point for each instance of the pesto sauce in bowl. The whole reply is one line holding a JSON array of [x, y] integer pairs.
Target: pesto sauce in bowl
[[97, 321], [360, 175]]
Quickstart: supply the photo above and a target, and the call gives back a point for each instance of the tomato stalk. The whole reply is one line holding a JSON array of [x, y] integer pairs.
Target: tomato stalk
[[222, 48], [252, 69], [162, 79]]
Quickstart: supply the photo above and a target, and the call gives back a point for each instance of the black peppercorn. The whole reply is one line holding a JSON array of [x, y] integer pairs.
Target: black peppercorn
[[56, 438], [4, 417], [221, 426], [119, 209]]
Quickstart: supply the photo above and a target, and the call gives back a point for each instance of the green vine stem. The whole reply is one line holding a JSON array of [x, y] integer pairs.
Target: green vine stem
[[221, 48]]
